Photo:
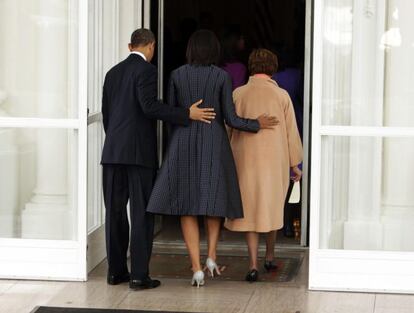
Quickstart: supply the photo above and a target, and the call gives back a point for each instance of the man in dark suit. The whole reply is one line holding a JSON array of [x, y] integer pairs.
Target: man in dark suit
[[130, 108]]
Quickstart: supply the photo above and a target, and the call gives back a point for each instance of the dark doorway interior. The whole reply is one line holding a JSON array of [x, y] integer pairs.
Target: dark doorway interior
[[278, 25]]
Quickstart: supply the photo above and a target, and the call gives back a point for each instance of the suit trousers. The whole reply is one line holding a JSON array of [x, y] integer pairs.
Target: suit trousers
[[120, 184]]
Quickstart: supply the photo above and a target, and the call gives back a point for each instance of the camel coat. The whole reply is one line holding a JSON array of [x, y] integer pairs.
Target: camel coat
[[263, 160]]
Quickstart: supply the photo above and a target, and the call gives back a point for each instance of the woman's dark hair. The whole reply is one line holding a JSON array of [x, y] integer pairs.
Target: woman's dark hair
[[203, 48], [263, 61]]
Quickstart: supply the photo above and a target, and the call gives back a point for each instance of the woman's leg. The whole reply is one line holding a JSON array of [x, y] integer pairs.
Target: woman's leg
[[189, 227], [270, 245], [252, 239], [213, 234]]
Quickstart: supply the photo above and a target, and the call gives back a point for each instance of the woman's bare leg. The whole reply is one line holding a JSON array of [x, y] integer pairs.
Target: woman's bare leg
[[191, 234], [270, 245], [252, 239], [213, 234]]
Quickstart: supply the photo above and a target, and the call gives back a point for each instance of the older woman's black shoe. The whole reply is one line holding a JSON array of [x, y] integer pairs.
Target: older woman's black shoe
[[270, 266], [252, 276]]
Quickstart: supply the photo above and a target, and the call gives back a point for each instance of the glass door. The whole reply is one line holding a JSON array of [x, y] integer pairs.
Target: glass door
[[362, 202], [43, 139]]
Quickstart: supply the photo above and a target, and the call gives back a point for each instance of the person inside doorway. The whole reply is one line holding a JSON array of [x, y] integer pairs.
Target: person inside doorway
[[233, 45], [263, 161]]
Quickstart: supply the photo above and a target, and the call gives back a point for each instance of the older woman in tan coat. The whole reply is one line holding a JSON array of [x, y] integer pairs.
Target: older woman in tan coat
[[264, 161]]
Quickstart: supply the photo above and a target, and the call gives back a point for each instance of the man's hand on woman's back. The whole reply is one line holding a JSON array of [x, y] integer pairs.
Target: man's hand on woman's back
[[205, 115]]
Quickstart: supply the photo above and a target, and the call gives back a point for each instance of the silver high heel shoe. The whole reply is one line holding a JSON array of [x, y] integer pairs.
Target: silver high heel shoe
[[212, 266], [198, 279]]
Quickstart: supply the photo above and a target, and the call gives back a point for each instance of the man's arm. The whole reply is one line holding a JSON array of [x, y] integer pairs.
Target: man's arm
[[152, 107], [105, 108]]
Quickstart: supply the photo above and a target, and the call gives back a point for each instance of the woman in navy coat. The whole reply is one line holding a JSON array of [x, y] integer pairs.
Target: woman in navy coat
[[198, 176]]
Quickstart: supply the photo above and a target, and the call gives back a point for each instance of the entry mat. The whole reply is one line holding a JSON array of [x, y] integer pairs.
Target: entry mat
[[47, 309], [236, 267]]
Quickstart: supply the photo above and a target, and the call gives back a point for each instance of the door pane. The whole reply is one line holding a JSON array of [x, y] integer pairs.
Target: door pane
[[95, 201], [38, 188], [38, 58], [367, 202], [367, 64]]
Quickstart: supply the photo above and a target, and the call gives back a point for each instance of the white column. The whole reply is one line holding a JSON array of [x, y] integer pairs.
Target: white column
[[398, 166], [363, 229], [127, 24], [47, 214]]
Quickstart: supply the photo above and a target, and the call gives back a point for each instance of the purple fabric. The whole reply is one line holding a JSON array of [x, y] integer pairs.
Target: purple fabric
[[237, 72], [291, 80]]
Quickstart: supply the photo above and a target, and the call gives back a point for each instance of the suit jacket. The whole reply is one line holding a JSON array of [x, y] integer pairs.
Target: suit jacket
[[130, 109]]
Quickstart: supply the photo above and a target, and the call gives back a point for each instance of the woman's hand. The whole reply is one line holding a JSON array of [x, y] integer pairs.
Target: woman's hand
[[205, 115], [267, 121], [297, 174]]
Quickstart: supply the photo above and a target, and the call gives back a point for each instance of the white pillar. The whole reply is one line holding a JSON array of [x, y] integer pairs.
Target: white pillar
[[127, 24], [398, 166], [47, 214]]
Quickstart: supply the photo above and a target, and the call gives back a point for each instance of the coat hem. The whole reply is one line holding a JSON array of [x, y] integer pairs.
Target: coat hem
[[253, 229], [164, 212]]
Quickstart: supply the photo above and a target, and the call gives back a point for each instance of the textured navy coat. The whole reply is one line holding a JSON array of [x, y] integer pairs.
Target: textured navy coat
[[198, 175]]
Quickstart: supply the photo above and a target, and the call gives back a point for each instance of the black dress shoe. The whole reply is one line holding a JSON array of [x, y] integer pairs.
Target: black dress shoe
[[146, 283], [270, 266], [252, 276], [118, 279]]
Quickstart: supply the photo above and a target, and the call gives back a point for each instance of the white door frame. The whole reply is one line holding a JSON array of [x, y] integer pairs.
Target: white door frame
[[348, 270], [56, 259], [306, 123]]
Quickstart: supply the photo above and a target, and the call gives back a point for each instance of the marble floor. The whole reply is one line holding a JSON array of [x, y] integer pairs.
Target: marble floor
[[178, 295]]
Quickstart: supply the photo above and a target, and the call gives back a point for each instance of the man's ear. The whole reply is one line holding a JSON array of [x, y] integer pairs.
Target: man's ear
[[130, 47]]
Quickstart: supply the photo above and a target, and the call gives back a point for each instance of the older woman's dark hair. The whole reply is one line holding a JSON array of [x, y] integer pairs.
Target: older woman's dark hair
[[203, 48], [263, 61]]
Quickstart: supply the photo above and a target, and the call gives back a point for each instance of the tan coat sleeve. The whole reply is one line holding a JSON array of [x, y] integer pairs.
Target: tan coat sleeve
[[294, 141]]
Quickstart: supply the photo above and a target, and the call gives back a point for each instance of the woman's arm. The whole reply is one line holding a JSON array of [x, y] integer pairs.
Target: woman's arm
[[229, 112], [234, 121]]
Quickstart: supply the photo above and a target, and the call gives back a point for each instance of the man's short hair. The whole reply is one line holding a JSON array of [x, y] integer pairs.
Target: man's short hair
[[142, 37]]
